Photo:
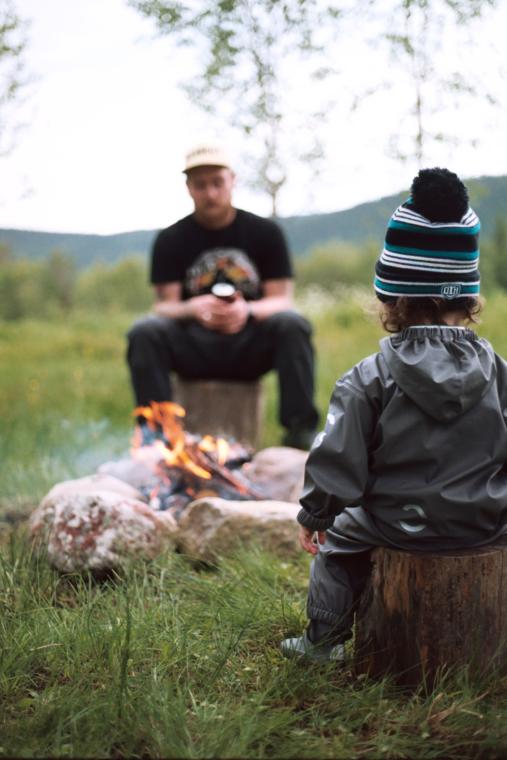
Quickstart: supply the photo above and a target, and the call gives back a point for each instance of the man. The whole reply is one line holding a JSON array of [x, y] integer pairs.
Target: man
[[252, 330]]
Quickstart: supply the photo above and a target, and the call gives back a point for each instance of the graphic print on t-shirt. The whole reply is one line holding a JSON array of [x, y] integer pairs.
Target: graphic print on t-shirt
[[223, 265]]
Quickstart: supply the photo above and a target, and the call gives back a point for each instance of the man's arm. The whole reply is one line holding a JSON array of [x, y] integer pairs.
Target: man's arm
[[169, 304], [277, 296], [168, 301], [219, 315]]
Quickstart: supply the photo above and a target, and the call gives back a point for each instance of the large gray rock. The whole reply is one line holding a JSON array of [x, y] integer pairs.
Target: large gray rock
[[135, 472], [93, 483], [99, 530], [278, 471], [211, 527]]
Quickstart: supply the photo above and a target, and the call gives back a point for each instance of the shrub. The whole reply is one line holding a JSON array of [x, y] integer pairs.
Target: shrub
[[121, 287], [337, 264]]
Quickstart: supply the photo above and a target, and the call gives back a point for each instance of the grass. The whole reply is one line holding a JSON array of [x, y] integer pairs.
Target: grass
[[171, 660]]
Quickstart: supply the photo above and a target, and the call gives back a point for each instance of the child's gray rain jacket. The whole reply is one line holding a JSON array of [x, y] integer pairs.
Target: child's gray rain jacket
[[414, 449]]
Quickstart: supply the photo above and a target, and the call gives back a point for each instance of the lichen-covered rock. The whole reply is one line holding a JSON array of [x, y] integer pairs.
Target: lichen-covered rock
[[99, 530], [279, 471], [212, 527]]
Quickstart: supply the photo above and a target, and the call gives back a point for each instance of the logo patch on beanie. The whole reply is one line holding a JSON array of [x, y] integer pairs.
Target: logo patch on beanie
[[450, 291]]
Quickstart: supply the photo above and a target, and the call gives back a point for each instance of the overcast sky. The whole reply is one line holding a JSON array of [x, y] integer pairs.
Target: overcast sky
[[106, 127]]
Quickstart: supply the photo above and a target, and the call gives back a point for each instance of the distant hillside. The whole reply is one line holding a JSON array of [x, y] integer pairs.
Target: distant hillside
[[488, 197], [85, 249], [355, 225]]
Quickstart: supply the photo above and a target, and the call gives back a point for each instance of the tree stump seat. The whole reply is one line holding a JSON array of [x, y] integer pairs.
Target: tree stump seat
[[424, 613], [220, 407]]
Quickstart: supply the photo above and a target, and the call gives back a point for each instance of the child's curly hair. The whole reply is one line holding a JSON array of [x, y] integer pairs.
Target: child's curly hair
[[399, 313]]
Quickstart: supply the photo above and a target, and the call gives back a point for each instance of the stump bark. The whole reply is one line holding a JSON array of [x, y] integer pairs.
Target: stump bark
[[422, 614], [216, 407]]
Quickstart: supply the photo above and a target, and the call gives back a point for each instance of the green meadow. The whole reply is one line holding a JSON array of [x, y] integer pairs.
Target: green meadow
[[170, 659]]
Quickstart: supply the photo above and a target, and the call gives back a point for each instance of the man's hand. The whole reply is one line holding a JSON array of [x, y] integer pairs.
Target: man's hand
[[203, 310], [307, 539], [217, 314], [236, 316]]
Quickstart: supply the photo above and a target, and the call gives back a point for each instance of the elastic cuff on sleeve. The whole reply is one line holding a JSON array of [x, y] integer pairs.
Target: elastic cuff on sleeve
[[314, 523]]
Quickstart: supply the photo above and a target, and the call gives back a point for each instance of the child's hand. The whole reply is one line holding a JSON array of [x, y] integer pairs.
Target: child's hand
[[307, 539]]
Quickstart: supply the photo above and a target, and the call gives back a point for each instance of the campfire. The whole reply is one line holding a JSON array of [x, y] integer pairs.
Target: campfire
[[188, 466]]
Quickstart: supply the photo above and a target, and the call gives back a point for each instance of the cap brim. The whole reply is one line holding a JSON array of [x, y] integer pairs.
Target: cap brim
[[217, 165]]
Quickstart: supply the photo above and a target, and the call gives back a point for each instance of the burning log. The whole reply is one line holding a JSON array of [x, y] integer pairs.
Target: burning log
[[190, 466]]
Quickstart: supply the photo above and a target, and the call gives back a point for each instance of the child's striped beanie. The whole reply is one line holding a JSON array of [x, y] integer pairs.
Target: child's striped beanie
[[424, 258]]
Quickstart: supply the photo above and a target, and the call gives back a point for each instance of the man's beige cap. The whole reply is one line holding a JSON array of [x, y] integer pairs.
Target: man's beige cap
[[206, 154]]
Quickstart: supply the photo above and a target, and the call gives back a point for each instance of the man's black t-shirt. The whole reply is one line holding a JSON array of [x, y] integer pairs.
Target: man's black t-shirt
[[247, 252]]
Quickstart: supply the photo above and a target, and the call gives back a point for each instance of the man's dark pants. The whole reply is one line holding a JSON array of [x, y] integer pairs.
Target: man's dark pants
[[158, 346]]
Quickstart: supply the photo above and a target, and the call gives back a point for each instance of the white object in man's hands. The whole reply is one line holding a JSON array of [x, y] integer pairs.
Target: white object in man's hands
[[224, 290]]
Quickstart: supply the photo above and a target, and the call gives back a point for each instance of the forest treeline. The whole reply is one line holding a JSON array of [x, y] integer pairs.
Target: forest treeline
[[54, 286]]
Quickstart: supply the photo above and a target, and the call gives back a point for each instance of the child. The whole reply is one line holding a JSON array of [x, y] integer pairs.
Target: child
[[412, 455]]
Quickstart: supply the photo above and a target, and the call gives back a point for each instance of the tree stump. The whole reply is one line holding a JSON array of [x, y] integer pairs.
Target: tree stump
[[422, 614], [218, 407]]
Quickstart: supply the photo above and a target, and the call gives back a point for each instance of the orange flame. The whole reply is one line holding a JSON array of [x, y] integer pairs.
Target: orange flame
[[177, 449], [164, 415], [218, 446]]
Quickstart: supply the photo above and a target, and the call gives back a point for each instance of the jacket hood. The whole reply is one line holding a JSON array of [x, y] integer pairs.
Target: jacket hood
[[444, 370]]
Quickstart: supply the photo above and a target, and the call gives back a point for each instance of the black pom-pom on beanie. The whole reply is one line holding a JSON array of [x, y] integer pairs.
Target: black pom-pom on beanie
[[439, 195]]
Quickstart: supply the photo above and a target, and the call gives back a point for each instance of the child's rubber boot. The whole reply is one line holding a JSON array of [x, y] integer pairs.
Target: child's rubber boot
[[301, 647]]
